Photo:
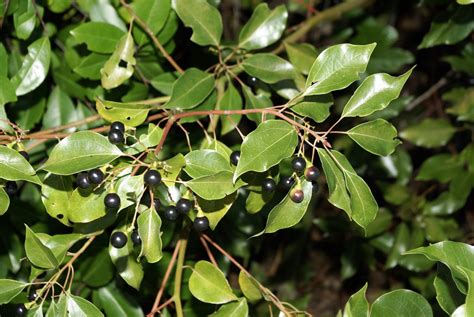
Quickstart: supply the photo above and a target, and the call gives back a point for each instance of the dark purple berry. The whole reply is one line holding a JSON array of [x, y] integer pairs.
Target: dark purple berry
[[11, 188], [118, 239], [152, 177], [171, 213], [95, 176], [136, 237], [298, 164], [297, 195], [184, 206], [21, 310], [25, 155], [235, 157], [116, 137], [201, 224], [117, 126], [286, 182], [32, 296], [268, 185], [112, 200], [312, 174]]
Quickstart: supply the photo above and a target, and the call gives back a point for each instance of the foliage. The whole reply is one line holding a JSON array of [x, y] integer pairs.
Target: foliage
[[115, 195]]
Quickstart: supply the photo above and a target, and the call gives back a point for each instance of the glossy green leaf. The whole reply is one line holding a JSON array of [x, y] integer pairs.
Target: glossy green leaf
[[37, 252], [357, 305], [34, 68], [126, 263], [116, 303], [129, 113], [86, 207], [98, 270], [249, 287], [9, 289], [401, 302], [113, 73], [80, 151], [337, 67], [377, 137], [59, 109], [253, 101], [264, 27], [447, 294], [203, 18], [80, 307], [90, 66], [153, 13], [215, 210], [4, 201], [99, 37], [56, 192], [268, 67], [469, 306], [149, 229], [205, 163], [235, 309], [24, 19], [208, 284], [7, 91], [191, 88], [13, 167], [129, 189], [429, 132], [455, 255], [450, 27], [59, 6], [231, 100], [441, 167], [374, 94], [266, 146], [215, 186], [288, 213], [59, 244], [301, 56], [314, 107]]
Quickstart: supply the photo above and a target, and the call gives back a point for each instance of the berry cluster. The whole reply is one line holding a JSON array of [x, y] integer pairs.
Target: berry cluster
[[117, 133]]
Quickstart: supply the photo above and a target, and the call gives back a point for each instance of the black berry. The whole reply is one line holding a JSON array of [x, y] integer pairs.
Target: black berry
[[201, 223], [171, 213], [156, 204], [286, 182], [136, 237], [82, 181], [95, 176], [117, 126], [268, 185], [33, 296], [11, 188], [112, 200], [152, 177], [312, 173], [298, 164], [297, 195], [184, 206], [116, 136], [25, 155], [235, 157], [118, 239], [21, 310]]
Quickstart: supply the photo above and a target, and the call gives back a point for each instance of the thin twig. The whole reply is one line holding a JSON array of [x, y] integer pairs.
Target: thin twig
[[443, 81], [208, 251]]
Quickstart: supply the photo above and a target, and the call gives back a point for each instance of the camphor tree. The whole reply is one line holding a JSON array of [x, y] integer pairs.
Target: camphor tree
[[135, 162]]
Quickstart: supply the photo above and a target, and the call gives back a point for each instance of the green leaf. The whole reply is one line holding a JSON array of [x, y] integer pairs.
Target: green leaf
[[258, 101], [447, 294], [314, 107], [126, 263], [288, 213], [13, 167], [149, 226], [80, 307], [264, 27], [266, 146], [129, 188], [450, 27], [215, 186], [59, 6], [441, 167], [469, 306], [249, 287], [301, 55], [7, 91], [191, 88], [429, 133], [357, 305], [86, 207], [37, 253], [205, 163], [455, 255], [24, 19], [79, 152], [208, 284], [203, 18], [99, 37], [9, 289], [59, 109], [34, 68], [268, 67], [231, 100], [116, 303], [113, 74], [236, 309], [465, 2], [377, 137], [215, 210], [337, 67], [154, 14], [97, 270], [4, 201], [401, 302], [374, 94], [129, 113], [90, 66], [56, 193]]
